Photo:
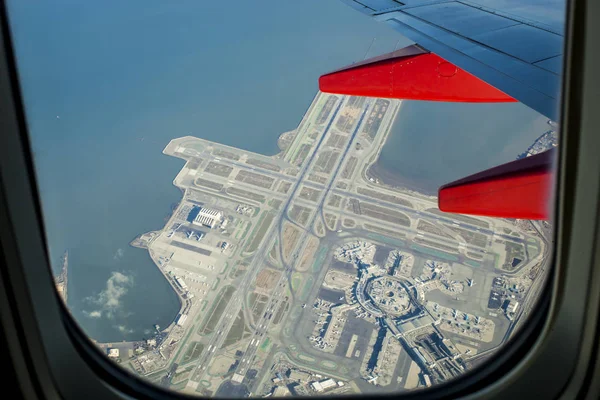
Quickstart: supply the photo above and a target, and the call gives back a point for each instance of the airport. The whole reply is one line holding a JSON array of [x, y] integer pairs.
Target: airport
[[302, 274]]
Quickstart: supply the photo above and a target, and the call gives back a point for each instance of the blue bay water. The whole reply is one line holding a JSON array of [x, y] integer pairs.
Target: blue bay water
[[431, 143], [106, 85]]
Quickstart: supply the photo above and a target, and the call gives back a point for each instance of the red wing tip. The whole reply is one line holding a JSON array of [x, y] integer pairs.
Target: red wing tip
[[411, 74], [448, 203]]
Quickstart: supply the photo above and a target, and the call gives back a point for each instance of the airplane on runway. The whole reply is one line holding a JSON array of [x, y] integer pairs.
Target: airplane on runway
[[373, 379], [472, 54]]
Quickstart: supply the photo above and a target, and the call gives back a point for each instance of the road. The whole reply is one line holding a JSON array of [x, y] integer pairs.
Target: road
[[540, 283], [408, 210], [235, 304], [277, 297], [275, 232]]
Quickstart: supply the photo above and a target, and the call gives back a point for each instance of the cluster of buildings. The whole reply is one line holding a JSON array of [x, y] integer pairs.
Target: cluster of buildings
[[511, 308], [359, 252], [113, 353], [546, 141], [301, 383], [399, 263], [244, 210], [389, 295], [325, 384]]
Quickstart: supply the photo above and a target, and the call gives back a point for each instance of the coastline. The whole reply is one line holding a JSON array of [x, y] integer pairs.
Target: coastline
[[388, 178], [376, 172], [144, 240]]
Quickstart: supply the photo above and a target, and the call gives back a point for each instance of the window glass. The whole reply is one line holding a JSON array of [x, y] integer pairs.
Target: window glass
[[220, 227]]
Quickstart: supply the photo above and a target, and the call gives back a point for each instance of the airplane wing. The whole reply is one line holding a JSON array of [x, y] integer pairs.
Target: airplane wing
[[514, 45], [472, 51]]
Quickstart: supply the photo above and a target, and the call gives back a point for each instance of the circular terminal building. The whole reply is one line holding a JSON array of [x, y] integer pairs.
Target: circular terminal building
[[390, 296]]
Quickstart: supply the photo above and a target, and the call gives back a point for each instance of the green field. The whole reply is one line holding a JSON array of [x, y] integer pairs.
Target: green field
[[477, 256], [282, 308], [193, 352], [194, 145], [241, 233], [474, 238], [460, 217], [433, 252], [273, 252], [387, 240], [306, 288], [513, 251], [265, 345], [185, 340], [209, 323], [533, 251], [216, 283], [318, 263], [236, 332], [296, 281], [259, 231]]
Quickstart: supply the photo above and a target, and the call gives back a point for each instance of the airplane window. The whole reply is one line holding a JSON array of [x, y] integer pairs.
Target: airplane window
[[226, 217]]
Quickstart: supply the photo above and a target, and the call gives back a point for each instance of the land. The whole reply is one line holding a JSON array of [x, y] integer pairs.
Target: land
[[61, 280], [317, 278]]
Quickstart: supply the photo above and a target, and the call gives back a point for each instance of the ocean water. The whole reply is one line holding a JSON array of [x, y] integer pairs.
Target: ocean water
[[106, 85], [436, 143]]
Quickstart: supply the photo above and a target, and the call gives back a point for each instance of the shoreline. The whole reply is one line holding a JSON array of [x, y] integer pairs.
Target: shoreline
[[385, 179], [392, 179], [144, 240], [284, 140]]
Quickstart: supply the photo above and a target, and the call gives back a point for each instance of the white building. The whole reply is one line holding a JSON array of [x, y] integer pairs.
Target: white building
[[181, 319], [316, 386], [113, 353], [426, 380], [208, 217], [181, 283], [512, 306], [323, 385]]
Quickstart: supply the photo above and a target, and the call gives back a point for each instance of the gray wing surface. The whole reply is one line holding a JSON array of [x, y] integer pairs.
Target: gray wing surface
[[514, 45]]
